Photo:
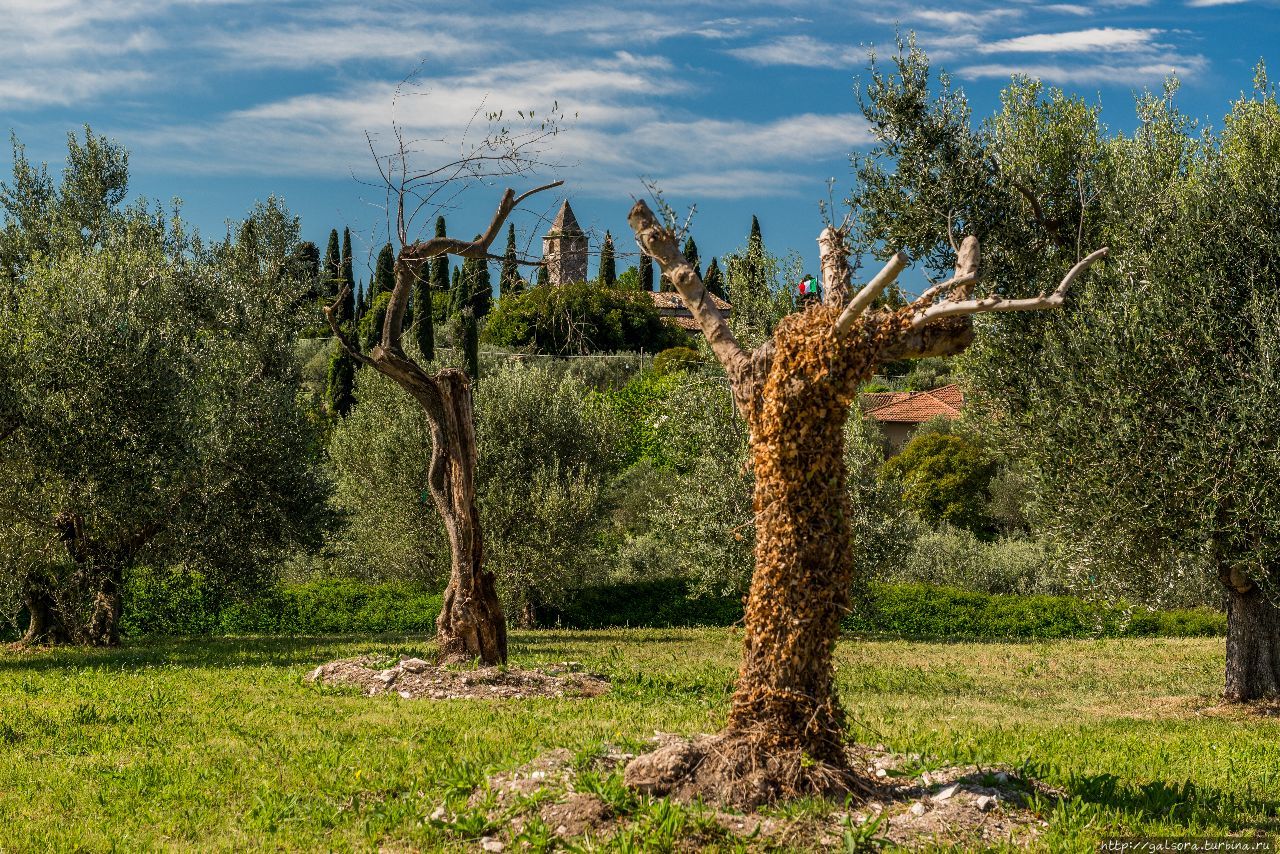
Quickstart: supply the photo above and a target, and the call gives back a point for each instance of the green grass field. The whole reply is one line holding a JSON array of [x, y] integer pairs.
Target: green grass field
[[220, 744]]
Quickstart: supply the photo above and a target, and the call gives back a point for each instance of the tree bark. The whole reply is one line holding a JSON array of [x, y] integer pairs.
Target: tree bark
[[471, 623], [44, 625], [800, 588], [108, 603], [1253, 641]]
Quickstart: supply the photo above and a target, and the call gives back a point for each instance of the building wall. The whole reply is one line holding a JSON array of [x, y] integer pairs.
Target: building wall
[[566, 258]]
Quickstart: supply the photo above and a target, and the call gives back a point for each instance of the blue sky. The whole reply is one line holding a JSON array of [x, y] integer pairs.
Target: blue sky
[[742, 108]]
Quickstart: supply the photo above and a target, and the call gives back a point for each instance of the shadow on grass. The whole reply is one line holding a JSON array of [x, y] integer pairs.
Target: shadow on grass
[[287, 650], [215, 652], [1184, 803]]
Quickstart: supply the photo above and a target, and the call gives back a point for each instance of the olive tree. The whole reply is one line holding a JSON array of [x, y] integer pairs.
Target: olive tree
[[1144, 412], [149, 397], [785, 729]]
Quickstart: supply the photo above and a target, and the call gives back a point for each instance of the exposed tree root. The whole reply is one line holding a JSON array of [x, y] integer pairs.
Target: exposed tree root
[[738, 770]]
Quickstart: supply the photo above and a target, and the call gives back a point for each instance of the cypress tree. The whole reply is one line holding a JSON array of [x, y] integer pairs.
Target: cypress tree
[[346, 311], [384, 272], [756, 240], [713, 281], [348, 275], [362, 302], [424, 326], [470, 344], [440, 271], [340, 384], [608, 267], [544, 275], [457, 295], [509, 281], [331, 273], [646, 272], [691, 254], [305, 262], [478, 287]]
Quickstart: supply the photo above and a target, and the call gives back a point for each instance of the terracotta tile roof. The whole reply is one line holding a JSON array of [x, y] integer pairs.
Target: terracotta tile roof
[[672, 300], [686, 323], [918, 407], [875, 399]]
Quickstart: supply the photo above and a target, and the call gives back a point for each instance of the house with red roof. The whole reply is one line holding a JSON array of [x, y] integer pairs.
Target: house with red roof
[[671, 307], [900, 413]]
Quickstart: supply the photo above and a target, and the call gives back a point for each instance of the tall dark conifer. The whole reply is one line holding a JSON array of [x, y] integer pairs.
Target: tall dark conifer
[[384, 272], [457, 293], [691, 254], [339, 392], [347, 311], [544, 275], [477, 285], [424, 320], [712, 280], [509, 281], [331, 272], [646, 272], [608, 267], [440, 279]]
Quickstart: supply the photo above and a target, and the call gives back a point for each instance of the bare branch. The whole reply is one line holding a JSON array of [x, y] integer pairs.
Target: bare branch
[[860, 303], [926, 299], [660, 243], [997, 303], [833, 249], [413, 256], [330, 314]]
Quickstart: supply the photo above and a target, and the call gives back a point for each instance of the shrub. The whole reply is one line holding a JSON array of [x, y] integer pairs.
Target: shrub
[[581, 318], [955, 557], [945, 478], [676, 359]]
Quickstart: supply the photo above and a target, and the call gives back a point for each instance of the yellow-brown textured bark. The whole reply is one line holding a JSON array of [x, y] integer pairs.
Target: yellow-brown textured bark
[[800, 589]]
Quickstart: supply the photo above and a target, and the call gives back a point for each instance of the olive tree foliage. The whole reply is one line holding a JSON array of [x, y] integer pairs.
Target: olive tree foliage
[[703, 476], [545, 456], [148, 390], [761, 288], [1147, 413]]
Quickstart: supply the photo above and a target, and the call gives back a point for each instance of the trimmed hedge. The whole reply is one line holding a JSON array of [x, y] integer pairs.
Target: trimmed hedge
[[169, 605], [158, 604], [905, 610]]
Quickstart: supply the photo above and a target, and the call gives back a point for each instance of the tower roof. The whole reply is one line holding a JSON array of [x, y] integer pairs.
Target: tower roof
[[565, 221]]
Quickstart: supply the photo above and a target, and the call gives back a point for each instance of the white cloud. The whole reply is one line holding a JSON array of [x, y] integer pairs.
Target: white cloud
[[804, 51], [1099, 38], [1134, 73]]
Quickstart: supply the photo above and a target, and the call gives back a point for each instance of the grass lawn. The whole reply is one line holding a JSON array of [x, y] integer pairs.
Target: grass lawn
[[203, 744]]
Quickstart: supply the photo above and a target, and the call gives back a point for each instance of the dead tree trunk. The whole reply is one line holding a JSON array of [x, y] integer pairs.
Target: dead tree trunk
[[471, 624], [1253, 641], [785, 733]]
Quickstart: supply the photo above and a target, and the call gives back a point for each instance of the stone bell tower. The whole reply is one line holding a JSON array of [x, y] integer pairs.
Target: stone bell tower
[[564, 249]]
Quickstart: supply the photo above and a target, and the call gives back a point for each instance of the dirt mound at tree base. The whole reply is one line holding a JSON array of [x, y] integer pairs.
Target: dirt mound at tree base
[[557, 800], [413, 678]]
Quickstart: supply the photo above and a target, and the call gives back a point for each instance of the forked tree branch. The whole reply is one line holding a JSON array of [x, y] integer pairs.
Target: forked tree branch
[[660, 243], [960, 308], [413, 256], [862, 301]]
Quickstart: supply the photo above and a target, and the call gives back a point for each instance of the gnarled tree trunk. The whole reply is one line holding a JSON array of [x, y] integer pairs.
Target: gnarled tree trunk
[[785, 733], [471, 623], [1253, 641], [44, 623], [800, 588]]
